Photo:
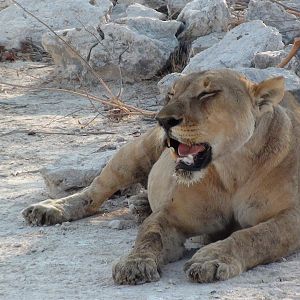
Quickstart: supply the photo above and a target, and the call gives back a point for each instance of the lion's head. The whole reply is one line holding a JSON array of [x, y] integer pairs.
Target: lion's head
[[211, 114]]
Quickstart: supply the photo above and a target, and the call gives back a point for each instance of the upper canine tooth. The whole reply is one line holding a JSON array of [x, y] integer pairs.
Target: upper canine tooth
[[169, 142], [173, 153]]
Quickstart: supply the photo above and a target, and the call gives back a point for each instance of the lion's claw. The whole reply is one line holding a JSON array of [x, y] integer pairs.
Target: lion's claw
[[135, 270]]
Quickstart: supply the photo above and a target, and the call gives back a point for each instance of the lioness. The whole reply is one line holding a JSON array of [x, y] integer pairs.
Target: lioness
[[223, 159]]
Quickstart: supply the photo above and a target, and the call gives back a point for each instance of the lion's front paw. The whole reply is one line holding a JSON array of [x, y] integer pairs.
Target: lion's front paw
[[211, 264], [139, 206], [43, 213], [135, 269]]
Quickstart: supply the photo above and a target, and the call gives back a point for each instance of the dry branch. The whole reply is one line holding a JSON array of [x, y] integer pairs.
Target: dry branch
[[70, 47], [289, 9], [113, 101], [126, 108], [292, 53]]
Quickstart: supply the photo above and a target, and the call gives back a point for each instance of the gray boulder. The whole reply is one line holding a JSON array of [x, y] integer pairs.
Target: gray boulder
[[140, 47], [292, 81], [139, 10], [176, 6], [203, 17], [72, 173], [274, 15], [155, 4], [82, 40], [204, 42], [268, 59], [237, 48], [166, 82], [16, 26]]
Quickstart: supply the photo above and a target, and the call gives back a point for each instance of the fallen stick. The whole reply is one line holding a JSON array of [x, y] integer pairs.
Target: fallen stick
[[34, 132], [126, 108], [292, 53], [70, 47]]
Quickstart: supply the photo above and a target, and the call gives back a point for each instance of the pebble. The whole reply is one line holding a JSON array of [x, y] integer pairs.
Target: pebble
[[66, 224]]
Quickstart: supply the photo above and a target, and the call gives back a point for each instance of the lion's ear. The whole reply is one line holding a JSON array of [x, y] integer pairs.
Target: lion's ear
[[268, 93]]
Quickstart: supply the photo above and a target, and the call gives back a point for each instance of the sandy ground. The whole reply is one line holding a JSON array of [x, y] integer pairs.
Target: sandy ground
[[73, 260]]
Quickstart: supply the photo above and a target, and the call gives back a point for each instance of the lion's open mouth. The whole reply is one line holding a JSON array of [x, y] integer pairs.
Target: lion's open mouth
[[190, 157]]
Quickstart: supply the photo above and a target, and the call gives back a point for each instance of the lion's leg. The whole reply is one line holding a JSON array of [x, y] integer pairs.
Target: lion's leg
[[131, 164], [158, 242], [246, 248]]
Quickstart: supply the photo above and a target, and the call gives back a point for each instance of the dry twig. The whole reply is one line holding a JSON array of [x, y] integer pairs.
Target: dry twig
[[292, 53], [289, 9], [126, 108], [114, 101]]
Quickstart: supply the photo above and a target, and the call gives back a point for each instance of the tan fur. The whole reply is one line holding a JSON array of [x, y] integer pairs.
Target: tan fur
[[250, 190]]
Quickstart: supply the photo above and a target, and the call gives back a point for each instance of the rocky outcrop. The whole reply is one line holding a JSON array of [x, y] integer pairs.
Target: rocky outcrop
[[268, 59], [139, 10], [274, 15], [237, 48], [72, 173], [203, 17], [292, 81], [204, 42], [176, 6], [16, 26], [138, 47]]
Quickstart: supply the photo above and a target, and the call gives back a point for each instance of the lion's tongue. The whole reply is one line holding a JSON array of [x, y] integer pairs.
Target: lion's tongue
[[185, 150]]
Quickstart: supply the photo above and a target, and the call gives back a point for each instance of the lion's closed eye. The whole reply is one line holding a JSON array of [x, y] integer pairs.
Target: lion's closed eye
[[205, 95]]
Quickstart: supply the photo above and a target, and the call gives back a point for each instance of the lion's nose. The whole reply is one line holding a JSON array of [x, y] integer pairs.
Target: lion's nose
[[168, 122]]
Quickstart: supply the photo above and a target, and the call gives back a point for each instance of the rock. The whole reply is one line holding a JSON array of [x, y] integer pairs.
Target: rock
[[292, 81], [175, 7], [71, 173], [121, 224], [268, 59], [206, 41], [237, 48], [166, 82], [293, 4], [81, 40], [139, 10], [5, 3], [155, 4], [118, 11], [274, 15], [123, 45], [16, 26], [140, 47], [203, 17]]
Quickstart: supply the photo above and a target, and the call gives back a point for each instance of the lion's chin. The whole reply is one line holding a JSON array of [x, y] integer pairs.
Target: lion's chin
[[189, 177]]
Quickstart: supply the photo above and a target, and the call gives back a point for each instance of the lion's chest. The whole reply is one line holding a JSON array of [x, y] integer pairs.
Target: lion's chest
[[161, 182], [199, 208]]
